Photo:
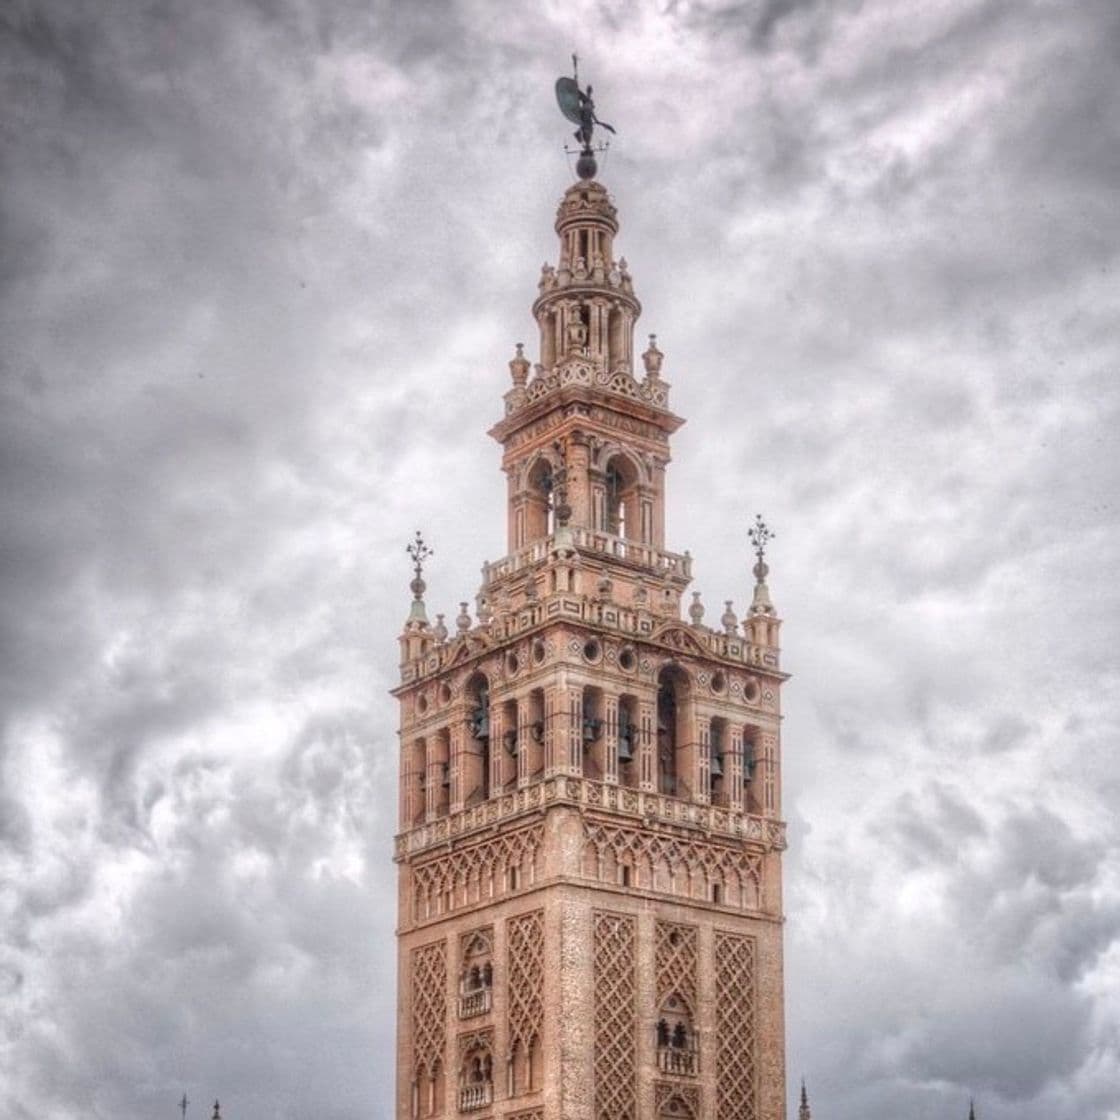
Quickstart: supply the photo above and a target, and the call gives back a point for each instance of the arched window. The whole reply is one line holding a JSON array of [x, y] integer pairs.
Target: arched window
[[629, 765], [476, 1073], [439, 770], [539, 521], [476, 977], [676, 1037], [621, 511], [752, 772], [674, 738], [476, 761], [592, 733], [717, 764], [428, 1089]]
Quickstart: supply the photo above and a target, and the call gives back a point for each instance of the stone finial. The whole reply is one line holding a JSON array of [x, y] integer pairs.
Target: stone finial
[[463, 619], [728, 620], [653, 358], [760, 535], [971, 1110], [439, 631], [519, 367], [482, 609], [696, 609], [217, 1112]]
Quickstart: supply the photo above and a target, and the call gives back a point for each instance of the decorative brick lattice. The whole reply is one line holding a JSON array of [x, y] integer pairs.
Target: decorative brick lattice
[[476, 873], [525, 939], [689, 868], [676, 963], [528, 1114], [615, 1019], [676, 1102], [429, 1008], [736, 1097]]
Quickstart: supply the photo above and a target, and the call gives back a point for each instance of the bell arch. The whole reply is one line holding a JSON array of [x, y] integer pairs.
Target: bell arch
[[476, 752], [675, 731], [620, 504]]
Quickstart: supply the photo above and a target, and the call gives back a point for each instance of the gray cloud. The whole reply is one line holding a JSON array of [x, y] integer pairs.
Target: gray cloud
[[262, 271]]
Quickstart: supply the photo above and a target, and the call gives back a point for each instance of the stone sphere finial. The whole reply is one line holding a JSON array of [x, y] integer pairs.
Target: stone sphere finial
[[696, 609], [728, 620], [653, 358], [519, 367]]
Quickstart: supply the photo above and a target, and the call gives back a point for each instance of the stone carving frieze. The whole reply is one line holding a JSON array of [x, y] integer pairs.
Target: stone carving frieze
[[581, 371], [673, 865]]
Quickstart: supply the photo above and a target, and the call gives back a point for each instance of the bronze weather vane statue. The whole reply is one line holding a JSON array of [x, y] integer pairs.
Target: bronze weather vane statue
[[578, 106]]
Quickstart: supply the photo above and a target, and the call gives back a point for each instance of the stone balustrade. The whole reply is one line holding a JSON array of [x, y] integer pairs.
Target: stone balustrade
[[671, 1059], [642, 805], [474, 1003], [474, 1097], [589, 540]]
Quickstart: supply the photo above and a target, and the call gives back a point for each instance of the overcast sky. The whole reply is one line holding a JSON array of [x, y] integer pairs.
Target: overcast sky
[[262, 267]]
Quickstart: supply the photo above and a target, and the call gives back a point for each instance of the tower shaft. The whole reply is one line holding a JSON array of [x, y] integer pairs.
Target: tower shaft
[[590, 911]]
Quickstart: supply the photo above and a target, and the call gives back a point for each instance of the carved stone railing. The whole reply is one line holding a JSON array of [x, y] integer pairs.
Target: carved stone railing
[[683, 1063], [643, 805], [589, 540], [627, 622], [474, 1003], [580, 370], [472, 1097]]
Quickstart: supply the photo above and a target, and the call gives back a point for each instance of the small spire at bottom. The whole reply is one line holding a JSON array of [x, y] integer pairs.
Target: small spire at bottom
[[803, 1112]]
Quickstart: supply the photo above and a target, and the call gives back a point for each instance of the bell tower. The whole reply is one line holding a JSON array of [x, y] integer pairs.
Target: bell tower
[[590, 910]]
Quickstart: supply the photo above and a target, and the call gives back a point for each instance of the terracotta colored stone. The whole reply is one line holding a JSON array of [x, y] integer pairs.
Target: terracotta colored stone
[[590, 915]]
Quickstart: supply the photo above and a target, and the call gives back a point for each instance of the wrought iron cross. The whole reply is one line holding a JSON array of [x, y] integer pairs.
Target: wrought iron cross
[[760, 536], [419, 552]]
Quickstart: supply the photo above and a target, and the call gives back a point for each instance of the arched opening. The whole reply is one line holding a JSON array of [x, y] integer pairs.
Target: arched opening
[[616, 341], [676, 1037], [416, 782], [674, 747], [429, 1089], [752, 785], [538, 501], [476, 753], [525, 1066], [476, 977], [533, 746], [592, 733], [621, 514], [717, 761], [476, 1076], [511, 745], [629, 766], [535, 1064], [439, 771]]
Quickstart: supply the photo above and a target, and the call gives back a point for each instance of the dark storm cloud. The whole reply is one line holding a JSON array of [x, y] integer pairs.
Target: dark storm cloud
[[262, 271]]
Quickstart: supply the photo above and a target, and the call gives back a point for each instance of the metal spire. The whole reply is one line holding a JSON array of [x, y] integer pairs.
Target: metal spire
[[419, 551]]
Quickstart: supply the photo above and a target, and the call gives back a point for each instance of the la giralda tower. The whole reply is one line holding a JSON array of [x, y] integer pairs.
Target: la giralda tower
[[590, 892]]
